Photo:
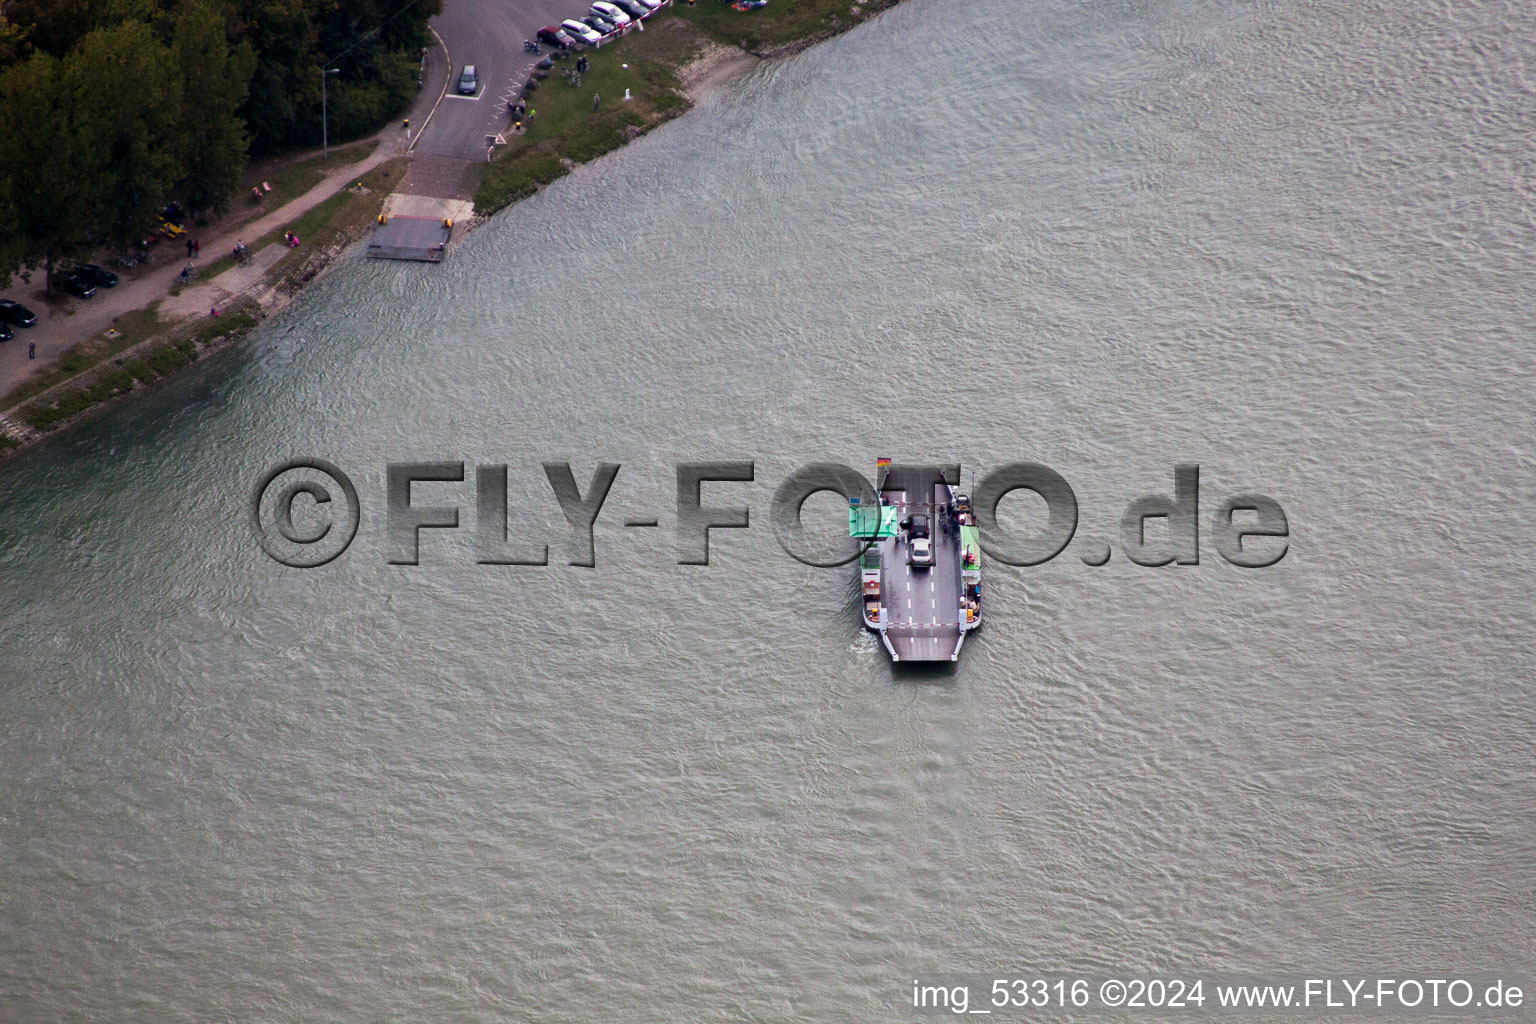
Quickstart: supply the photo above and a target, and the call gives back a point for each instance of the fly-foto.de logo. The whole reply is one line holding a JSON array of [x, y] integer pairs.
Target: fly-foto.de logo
[[307, 511]]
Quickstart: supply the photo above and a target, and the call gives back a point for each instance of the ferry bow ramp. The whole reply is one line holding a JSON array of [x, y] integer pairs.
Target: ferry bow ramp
[[416, 228], [410, 238], [920, 575]]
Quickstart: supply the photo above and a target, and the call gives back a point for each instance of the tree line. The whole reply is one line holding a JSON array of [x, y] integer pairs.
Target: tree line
[[110, 109]]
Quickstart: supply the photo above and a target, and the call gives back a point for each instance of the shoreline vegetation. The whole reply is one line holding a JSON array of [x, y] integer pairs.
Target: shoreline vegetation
[[681, 54]]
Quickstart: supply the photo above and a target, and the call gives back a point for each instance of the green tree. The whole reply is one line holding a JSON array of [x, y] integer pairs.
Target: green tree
[[287, 69], [13, 40], [45, 172], [215, 79], [53, 26], [127, 100], [368, 39]]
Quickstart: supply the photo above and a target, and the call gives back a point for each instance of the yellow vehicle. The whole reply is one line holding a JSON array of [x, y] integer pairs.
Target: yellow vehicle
[[170, 230]]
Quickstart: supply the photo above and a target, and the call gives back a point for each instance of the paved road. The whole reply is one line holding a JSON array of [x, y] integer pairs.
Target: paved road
[[488, 34]]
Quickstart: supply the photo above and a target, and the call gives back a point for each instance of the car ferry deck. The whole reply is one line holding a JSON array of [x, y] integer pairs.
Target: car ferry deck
[[921, 599]]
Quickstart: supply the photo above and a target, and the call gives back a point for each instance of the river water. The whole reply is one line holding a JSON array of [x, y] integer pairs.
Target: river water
[[1287, 241]]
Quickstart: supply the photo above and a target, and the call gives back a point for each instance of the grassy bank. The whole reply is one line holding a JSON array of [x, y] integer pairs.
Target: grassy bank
[[288, 183], [332, 225], [132, 329], [576, 124], [781, 27], [567, 128], [292, 180], [145, 366]]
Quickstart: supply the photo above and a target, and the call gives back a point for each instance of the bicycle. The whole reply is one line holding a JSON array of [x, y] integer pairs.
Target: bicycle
[[188, 274], [530, 46], [573, 77]]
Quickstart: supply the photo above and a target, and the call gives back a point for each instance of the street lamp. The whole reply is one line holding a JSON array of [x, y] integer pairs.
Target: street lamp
[[325, 133]]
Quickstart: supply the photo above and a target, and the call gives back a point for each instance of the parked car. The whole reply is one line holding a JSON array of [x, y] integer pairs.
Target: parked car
[[16, 313], [552, 35], [654, 5], [73, 284], [601, 26], [921, 556], [603, 9], [916, 525], [5, 332], [469, 81], [92, 274], [582, 33], [634, 8]]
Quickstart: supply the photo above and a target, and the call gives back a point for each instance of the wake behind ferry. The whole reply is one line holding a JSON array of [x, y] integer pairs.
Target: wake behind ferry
[[921, 573]]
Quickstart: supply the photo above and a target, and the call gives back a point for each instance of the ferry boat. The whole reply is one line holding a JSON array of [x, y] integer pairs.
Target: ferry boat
[[920, 575]]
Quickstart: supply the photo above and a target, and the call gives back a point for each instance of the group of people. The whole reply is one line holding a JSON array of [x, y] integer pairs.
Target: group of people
[[243, 252], [520, 113]]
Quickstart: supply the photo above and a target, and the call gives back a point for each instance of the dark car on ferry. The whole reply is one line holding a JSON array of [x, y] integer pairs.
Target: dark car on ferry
[[74, 284], [15, 313], [98, 276], [552, 35]]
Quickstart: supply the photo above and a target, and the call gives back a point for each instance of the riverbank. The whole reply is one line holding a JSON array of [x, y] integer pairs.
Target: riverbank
[[715, 65], [157, 326], [647, 78]]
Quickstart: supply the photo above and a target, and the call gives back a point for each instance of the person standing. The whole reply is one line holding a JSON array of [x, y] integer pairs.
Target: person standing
[[597, 98], [31, 350], [189, 248], [197, 248]]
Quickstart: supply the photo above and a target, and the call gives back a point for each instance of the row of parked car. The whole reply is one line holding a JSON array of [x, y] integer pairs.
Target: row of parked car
[[607, 18], [81, 281], [14, 313]]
